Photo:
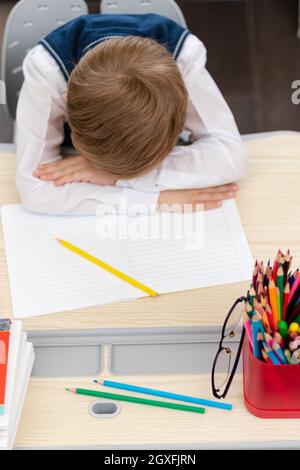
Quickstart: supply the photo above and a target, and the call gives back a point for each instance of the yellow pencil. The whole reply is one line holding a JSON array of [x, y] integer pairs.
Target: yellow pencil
[[108, 268]]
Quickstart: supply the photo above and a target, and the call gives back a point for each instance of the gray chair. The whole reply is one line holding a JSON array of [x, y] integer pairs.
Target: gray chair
[[168, 8], [27, 22]]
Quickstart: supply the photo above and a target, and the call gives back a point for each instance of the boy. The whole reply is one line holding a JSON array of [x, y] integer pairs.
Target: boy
[[122, 88]]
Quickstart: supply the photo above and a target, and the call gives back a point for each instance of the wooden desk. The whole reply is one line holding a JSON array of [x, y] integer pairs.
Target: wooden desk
[[268, 203], [64, 421]]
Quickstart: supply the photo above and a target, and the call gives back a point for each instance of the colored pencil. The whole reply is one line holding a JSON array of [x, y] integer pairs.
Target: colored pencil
[[254, 275], [258, 308], [108, 268], [279, 353], [249, 310], [266, 292], [252, 295], [280, 285], [275, 265], [266, 277], [287, 264], [268, 339], [288, 356], [273, 302], [295, 286], [140, 401], [291, 280], [247, 325], [292, 306], [259, 281], [295, 312], [278, 303], [257, 318], [296, 357], [273, 309], [266, 323], [266, 314], [255, 330], [260, 341], [160, 393], [272, 356], [286, 293], [281, 261], [270, 319], [278, 338], [266, 357], [260, 289]]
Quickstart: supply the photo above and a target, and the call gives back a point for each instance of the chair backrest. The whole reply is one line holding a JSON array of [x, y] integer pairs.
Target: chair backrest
[[168, 8], [27, 23]]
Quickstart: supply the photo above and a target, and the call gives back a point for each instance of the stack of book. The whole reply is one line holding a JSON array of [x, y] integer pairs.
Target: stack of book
[[16, 362]]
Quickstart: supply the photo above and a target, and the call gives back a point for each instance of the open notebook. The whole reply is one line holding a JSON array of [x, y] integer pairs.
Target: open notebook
[[45, 277]]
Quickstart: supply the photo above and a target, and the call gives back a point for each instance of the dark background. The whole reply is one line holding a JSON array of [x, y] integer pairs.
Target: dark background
[[253, 55]]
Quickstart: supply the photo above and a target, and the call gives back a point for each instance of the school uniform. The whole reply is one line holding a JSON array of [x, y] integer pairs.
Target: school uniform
[[216, 156]]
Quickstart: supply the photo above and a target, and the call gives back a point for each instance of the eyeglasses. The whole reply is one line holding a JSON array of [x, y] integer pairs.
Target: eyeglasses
[[227, 359]]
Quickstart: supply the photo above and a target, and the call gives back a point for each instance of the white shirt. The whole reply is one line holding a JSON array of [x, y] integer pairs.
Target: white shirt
[[216, 156]]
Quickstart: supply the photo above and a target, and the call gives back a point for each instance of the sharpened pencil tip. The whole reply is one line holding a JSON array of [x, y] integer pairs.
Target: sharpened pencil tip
[[67, 389], [95, 381]]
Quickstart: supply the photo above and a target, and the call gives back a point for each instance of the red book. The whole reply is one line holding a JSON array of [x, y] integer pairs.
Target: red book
[[4, 347]]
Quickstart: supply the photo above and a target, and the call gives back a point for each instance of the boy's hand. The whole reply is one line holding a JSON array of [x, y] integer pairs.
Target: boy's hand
[[211, 198], [71, 170]]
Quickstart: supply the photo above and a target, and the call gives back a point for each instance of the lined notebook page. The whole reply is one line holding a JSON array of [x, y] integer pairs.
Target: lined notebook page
[[179, 265], [46, 277]]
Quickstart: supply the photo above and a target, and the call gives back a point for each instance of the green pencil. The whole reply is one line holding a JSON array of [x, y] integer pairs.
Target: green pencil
[[252, 295], [141, 401]]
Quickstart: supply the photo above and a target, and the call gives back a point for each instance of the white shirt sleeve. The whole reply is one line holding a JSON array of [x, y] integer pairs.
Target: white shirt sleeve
[[40, 119], [217, 154]]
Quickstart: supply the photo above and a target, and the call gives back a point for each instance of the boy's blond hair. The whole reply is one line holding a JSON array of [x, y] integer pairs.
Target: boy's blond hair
[[126, 105]]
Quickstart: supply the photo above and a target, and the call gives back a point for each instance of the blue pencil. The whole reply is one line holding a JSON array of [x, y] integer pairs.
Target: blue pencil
[[279, 353], [159, 393], [291, 280], [274, 359], [255, 330]]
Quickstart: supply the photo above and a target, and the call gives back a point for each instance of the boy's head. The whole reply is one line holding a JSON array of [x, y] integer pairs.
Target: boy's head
[[126, 105]]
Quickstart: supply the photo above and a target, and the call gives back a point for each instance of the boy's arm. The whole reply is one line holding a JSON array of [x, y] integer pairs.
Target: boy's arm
[[40, 120], [218, 155]]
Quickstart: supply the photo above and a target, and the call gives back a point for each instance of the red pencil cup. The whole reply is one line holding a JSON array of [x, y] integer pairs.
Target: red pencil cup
[[270, 391]]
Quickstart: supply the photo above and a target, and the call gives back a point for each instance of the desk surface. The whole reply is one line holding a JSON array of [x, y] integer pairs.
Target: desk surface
[[269, 209], [268, 204], [64, 419]]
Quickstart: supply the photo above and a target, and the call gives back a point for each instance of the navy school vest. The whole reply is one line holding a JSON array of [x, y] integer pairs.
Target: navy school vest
[[68, 43]]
